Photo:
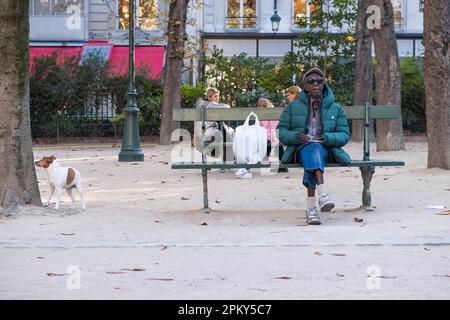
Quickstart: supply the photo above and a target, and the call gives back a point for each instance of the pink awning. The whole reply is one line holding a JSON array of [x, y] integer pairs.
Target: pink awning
[[148, 57]]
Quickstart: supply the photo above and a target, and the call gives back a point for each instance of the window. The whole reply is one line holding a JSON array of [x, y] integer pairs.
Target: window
[[56, 7], [146, 14], [102, 52], [241, 14], [303, 11], [398, 14]]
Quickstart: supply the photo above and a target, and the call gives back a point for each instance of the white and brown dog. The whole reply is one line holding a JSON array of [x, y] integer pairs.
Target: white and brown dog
[[60, 178]]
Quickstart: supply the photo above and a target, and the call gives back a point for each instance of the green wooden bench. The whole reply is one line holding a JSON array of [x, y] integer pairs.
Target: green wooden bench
[[366, 112]]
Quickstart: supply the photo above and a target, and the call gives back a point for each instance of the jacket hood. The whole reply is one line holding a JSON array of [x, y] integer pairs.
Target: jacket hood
[[327, 96]]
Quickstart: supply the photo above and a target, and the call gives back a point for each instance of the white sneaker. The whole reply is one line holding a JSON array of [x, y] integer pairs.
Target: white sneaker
[[240, 172], [245, 175], [325, 202], [312, 216]]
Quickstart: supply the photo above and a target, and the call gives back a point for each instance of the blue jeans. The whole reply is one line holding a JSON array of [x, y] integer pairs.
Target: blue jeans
[[313, 156]]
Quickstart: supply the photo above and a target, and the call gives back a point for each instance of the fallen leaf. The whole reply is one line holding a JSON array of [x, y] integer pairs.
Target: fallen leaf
[[157, 221], [134, 269], [163, 182], [258, 289], [67, 234], [387, 277], [359, 220], [134, 164], [217, 201], [163, 162], [339, 274], [283, 278], [40, 258], [204, 224], [317, 253], [444, 213], [51, 274], [426, 249], [114, 272], [160, 279], [339, 254], [184, 198], [163, 248]]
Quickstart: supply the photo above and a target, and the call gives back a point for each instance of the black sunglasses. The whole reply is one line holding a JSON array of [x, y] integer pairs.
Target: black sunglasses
[[312, 81]]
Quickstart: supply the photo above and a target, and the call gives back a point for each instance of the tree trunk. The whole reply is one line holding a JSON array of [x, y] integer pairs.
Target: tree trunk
[[18, 184], [176, 36], [363, 70], [437, 81], [388, 80]]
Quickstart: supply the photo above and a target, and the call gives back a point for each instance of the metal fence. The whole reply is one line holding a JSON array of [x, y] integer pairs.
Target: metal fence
[[91, 132], [413, 125], [75, 132]]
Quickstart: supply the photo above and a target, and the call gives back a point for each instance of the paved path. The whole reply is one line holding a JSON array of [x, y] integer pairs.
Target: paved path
[[139, 240]]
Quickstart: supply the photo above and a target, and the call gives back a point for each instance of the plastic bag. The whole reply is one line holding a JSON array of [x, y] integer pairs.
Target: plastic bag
[[250, 142]]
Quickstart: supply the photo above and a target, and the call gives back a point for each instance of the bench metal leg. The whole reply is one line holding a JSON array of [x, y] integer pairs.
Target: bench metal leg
[[205, 191], [367, 173]]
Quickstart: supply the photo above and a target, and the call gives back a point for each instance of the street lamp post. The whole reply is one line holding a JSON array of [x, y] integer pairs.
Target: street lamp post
[[131, 146], [275, 18]]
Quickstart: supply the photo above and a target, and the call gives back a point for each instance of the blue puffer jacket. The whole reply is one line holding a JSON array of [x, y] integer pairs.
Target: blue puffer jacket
[[336, 132]]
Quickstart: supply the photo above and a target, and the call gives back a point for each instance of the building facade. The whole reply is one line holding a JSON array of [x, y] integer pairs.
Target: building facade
[[83, 26], [245, 25], [233, 25]]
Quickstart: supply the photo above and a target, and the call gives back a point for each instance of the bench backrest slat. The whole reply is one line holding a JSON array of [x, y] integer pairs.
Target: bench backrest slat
[[236, 114]]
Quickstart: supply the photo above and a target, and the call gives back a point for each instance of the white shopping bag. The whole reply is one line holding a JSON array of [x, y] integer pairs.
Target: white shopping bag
[[250, 142]]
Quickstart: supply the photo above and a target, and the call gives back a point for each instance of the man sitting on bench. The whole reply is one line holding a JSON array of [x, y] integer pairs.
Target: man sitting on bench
[[314, 128]]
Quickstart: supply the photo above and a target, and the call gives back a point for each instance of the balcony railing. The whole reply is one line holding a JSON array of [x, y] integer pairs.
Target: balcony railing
[[241, 23], [303, 22], [399, 24], [306, 22]]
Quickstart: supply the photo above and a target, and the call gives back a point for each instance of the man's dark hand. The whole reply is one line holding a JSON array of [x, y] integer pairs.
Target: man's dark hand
[[304, 138]]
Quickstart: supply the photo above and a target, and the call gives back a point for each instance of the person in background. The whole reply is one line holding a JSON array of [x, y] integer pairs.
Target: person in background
[[212, 128], [293, 92], [271, 127]]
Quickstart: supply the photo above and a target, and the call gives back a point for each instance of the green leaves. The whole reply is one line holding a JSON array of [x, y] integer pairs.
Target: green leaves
[[329, 43], [413, 88]]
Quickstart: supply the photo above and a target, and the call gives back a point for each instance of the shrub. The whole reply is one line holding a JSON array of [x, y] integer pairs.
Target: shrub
[[190, 94], [413, 88], [64, 87]]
